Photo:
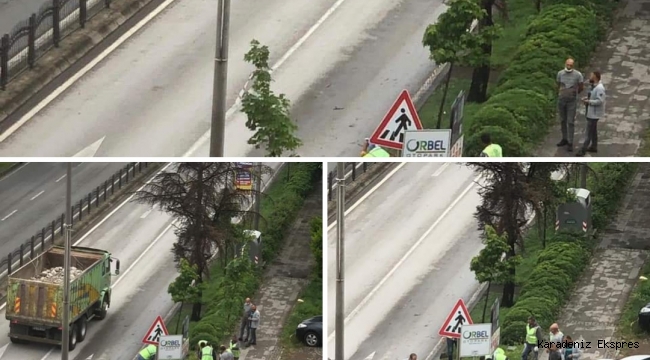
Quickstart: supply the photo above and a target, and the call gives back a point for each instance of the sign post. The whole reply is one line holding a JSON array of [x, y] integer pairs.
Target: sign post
[[496, 330], [475, 340], [457, 115]]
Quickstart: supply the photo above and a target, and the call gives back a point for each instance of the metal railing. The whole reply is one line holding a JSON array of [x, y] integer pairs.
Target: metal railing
[[352, 171], [33, 37], [44, 239]]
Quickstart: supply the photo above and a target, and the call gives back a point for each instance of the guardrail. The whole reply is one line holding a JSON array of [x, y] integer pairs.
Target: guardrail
[[33, 37], [82, 208], [352, 171]]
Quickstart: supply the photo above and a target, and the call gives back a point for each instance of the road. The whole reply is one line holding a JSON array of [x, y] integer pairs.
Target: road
[[141, 239], [34, 195], [408, 246], [342, 64], [13, 11]]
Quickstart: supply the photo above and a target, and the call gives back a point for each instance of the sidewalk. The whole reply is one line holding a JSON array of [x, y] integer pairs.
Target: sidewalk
[[624, 61], [600, 295], [283, 281]]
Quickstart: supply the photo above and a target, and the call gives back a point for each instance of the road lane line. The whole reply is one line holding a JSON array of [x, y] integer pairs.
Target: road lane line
[[370, 192], [146, 213], [7, 217], [37, 195], [440, 170], [13, 172], [61, 178], [372, 293]]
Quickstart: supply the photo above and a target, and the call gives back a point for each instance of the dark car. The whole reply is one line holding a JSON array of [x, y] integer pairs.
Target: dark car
[[310, 331]]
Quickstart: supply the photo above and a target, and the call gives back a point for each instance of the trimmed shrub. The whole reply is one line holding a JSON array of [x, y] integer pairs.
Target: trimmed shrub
[[490, 115], [531, 109], [511, 143], [535, 81]]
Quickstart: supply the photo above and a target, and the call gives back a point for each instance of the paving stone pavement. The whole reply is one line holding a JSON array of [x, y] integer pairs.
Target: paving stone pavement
[[283, 281], [624, 61], [598, 300]]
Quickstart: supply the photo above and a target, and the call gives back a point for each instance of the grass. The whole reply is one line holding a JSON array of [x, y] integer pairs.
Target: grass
[[312, 305], [628, 327], [272, 192], [429, 112], [5, 166], [644, 150]]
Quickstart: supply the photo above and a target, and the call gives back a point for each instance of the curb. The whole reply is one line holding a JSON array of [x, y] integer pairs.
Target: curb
[[72, 49], [11, 169]]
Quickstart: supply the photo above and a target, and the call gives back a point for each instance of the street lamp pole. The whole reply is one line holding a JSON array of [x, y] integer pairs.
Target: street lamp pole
[[258, 196], [340, 236], [218, 124], [65, 338]]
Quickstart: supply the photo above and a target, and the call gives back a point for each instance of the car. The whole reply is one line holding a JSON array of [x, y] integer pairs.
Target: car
[[310, 331]]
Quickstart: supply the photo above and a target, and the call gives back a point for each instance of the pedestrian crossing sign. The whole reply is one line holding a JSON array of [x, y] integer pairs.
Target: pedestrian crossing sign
[[401, 117], [156, 330], [458, 317]]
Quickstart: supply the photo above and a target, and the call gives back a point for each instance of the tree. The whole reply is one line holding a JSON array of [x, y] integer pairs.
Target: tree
[[202, 200], [488, 265], [450, 41], [316, 244], [481, 73], [268, 114], [184, 288]]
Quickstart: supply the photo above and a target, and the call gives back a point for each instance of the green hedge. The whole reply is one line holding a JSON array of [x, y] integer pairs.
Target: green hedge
[[522, 106], [240, 279], [562, 262]]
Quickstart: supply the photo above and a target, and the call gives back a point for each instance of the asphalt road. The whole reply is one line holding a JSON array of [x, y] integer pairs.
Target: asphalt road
[[141, 238], [14, 11], [341, 76], [34, 195], [408, 246]]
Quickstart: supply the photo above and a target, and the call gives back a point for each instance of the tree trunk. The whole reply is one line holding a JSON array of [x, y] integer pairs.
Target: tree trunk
[[487, 296], [511, 227], [196, 311], [538, 6], [481, 74], [544, 229], [178, 322], [444, 96]]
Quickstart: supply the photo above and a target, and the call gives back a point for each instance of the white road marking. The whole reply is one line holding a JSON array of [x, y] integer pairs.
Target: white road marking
[[2, 350], [91, 150], [146, 213], [13, 172], [61, 178], [440, 169], [7, 217], [58, 91], [371, 356], [370, 192], [37, 195], [381, 283]]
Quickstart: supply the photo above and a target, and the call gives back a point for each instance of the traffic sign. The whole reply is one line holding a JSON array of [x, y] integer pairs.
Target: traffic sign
[[458, 317], [402, 116], [156, 330]]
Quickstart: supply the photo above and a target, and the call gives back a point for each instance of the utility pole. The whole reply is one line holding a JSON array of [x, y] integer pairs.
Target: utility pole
[[340, 236], [218, 125], [583, 175], [65, 338], [258, 188]]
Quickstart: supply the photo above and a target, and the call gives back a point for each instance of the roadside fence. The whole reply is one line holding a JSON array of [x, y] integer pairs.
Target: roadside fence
[[352, 172], [33, 37], [53, 230]]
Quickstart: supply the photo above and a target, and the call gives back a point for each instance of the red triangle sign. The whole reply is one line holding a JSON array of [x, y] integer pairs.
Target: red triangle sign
[[457, 317], [402, 116], [156, 330]]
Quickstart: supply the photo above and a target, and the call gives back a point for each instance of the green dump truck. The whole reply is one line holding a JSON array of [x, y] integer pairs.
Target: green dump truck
[[35, 295]]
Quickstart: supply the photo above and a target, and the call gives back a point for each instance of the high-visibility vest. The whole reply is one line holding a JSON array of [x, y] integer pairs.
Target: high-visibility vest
[[531, 334], [377, 152], [206, 353], [493, 150], [499, 354], [148, 352], [234, 349]]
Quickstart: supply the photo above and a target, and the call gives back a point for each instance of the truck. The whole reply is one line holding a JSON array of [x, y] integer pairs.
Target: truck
[[35, 295]]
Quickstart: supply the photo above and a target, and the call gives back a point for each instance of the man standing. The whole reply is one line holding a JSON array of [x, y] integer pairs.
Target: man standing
[[554, 353], [555, 336], [570, 84], [234, 347], [244, 320], [413, 357], [595, 102], [533, 337], [206, 351], [254, 323]]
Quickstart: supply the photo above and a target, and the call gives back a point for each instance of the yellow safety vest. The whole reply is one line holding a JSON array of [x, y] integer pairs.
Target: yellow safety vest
[[234, 349], [377, 152], [499, 354], [206, 353], [531, 337], [148, 352], [493, 150]]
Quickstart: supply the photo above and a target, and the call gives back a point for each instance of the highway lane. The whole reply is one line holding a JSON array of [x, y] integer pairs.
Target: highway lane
[[34, 195], [14, 11], [358, 58], [142, 239], [407, 253]]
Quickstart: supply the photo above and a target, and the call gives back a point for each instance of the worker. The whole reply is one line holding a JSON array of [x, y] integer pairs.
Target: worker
[[234, 347], [206, 351], [376, 152], [499, 354], [491, 150], [533, 337], [148, 353], [225, 353]]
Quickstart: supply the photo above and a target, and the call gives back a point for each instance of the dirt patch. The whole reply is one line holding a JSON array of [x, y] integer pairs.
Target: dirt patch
[[303, 353]]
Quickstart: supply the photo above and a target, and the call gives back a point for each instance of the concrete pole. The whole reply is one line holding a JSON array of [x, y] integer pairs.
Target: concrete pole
[[340, 259], [583, 175], [258, 188], [65, 338], [218, 125]]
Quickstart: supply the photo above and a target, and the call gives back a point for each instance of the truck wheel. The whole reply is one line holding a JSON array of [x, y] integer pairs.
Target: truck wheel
[[72, 342], [82, 328], [100, 314]]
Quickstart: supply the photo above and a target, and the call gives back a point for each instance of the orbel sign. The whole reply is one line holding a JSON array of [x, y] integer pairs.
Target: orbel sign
[[426, 146], [476, 335], [170, 343]]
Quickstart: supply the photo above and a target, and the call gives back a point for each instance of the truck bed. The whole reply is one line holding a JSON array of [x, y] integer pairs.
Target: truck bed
[[40, 302]]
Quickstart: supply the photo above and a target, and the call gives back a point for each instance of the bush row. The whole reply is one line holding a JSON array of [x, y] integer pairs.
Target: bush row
[[240, 279], [562, 262], [522, 106]]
